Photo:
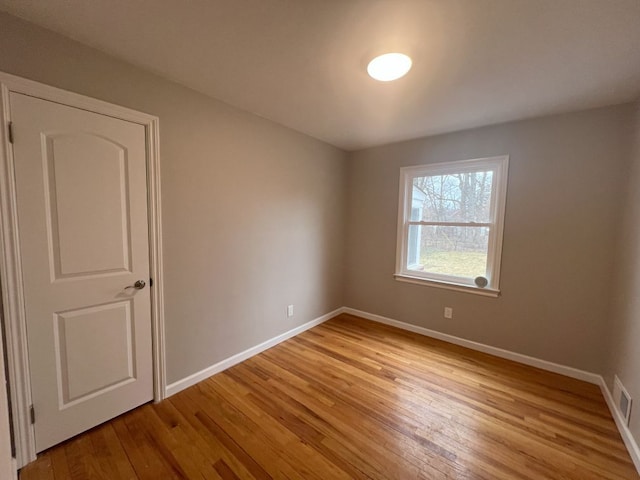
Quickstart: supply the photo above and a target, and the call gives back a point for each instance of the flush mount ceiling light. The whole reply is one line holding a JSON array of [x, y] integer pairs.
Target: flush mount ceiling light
[[389, 66]]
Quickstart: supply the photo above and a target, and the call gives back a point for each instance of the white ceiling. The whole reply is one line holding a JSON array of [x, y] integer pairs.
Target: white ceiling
[[302, 63]]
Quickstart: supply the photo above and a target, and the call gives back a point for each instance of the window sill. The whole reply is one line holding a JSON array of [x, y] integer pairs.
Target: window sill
[[458, 287]]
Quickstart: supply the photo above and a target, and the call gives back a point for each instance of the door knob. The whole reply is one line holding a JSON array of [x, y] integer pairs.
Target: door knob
[[139, 285]]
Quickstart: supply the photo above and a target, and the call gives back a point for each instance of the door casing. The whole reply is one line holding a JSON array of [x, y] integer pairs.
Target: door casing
[[10, 255]]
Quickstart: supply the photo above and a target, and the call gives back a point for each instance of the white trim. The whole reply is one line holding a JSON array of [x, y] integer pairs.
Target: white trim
[[46, 92], [10, 266], [500, 166], [8, 468], [156, 269], [627, 436], [481, 347], [13, 297], [186, 382], [458, 287], [449, 224]]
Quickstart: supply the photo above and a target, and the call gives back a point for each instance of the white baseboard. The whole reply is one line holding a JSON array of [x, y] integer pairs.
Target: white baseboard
[[242, 356], [481, 347], [627, 436]]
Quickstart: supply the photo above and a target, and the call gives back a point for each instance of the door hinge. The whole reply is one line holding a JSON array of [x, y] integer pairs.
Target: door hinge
[[151, 282], [32, 414], [10, 128]]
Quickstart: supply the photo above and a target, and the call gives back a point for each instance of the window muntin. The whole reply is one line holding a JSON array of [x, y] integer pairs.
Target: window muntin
[[450, 221]]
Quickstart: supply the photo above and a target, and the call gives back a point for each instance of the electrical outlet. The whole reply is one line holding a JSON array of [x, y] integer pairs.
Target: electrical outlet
[[448, 312], [290, 311]]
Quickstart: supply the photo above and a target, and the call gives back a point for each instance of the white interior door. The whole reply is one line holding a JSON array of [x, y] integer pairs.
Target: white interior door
[[82, 215]]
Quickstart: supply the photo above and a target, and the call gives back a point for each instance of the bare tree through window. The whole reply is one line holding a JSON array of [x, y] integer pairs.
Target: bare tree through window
[[460, 198], [450, 223]]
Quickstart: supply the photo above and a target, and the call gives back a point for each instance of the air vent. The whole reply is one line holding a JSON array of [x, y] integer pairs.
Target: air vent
[[622, 399]]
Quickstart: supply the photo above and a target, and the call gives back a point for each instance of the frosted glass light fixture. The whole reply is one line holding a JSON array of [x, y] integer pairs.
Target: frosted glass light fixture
[[389, 66]]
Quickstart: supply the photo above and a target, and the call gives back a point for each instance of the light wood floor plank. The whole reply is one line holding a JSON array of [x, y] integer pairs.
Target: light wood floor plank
[[352, 399]]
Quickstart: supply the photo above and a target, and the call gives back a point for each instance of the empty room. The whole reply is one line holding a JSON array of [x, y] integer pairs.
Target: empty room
[[320, 239]]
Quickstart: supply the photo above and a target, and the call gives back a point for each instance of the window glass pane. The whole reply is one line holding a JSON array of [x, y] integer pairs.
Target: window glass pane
[[413, 257], [457, 197], [455, 251]]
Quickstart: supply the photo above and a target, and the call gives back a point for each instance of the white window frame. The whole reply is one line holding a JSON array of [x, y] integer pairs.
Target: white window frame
[[500, 167]]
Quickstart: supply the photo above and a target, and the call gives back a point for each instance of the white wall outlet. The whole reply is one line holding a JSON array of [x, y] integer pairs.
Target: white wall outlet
[[448, 312], [290, 311]]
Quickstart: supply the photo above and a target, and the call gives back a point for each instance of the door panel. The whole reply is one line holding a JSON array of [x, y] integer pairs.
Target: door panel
[[79, 167], [86, 369], [82, 213]]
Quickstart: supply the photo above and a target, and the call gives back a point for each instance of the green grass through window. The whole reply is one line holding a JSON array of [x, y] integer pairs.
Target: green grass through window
[[460, 264]]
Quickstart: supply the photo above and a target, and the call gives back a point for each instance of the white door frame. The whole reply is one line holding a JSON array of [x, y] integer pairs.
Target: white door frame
[[10, 263], [8, 467]]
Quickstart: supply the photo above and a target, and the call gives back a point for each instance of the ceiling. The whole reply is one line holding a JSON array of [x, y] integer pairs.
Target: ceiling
[[302, 63]]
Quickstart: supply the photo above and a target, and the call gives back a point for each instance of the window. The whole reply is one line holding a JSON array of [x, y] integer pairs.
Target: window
[[450, 224]]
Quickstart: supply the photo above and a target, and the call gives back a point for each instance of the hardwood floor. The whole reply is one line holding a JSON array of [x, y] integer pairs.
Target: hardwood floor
[[355, 399]]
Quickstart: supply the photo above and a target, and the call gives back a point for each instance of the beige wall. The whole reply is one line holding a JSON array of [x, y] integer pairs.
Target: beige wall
[[563, 208], [252, 211], [624, 348]]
